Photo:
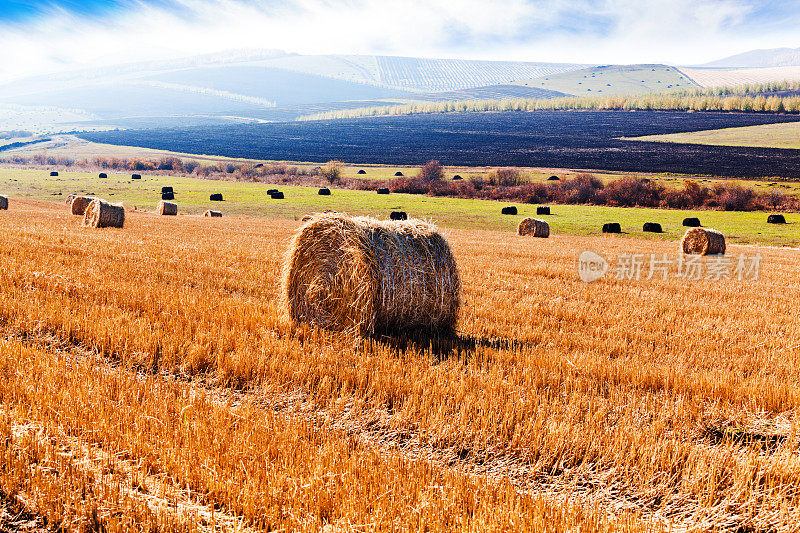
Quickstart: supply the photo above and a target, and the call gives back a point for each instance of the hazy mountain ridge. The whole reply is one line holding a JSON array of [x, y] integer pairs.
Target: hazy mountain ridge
[[775, 57]]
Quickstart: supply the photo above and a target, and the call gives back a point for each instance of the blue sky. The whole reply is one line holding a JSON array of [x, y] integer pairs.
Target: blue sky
[[60, 34]]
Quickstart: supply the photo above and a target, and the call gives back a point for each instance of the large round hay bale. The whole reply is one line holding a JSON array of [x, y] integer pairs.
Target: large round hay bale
[[213, 214], [167, 190], [534, 227], [510, 210], [102, 175], [457, 178], [167, 195], [362, 172], [101, 214], [398, 173], [272, 191], [612, 227], [691, 222], [703, 241], [3, 203], [383, 190], [216, 197], [324, 191], [54, 173], [776, 219], [277, 195], [167, 208], [365, 276], [80, 203], [543, 210], [652, 227], [553, 178], [398, 215]]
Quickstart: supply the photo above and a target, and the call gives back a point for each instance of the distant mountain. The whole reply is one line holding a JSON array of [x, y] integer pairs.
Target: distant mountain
[[776, 57]]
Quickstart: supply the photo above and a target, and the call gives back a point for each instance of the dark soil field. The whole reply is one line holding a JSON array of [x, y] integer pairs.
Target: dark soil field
[[559, 139]]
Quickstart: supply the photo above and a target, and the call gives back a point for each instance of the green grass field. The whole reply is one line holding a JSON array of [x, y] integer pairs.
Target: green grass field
[[250, 199], [766, 136]]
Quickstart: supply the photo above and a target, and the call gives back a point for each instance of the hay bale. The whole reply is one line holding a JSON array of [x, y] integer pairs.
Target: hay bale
[[383, 190], [361, 275], [167, 190], [167, 196], [652, 227], [260, 165], [102, 175], [457, 178], [101, 214], [54, 173], [213, 214], [324, 191], [703, 241], [80, 203], [272, 191], [277, 195], [398, 215], [776, 219], [534, 227], [398, 173], [543, 210], [510, 210], [3, 203], [612, 227], [362, 171], [691, 222], [167, 208], [136, 176], [216, 197], [553, 178]]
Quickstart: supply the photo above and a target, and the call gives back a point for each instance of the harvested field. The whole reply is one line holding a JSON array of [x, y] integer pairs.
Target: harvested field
[[168, 391]]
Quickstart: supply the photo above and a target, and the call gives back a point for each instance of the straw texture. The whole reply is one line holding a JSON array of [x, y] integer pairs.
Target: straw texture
[[534, 227], [167, 208], [703, 241], [101, 214]]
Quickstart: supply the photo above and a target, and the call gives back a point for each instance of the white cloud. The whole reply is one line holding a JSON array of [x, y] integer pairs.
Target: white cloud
[[597, 31]]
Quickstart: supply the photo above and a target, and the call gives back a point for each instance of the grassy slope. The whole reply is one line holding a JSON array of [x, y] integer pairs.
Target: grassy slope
[[249, 199], [623, 80], [766, 136]]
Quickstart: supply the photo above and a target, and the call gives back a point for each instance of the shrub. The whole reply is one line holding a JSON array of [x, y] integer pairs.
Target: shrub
[[582, 189], [331, 172], [432, 171], [505, 177]]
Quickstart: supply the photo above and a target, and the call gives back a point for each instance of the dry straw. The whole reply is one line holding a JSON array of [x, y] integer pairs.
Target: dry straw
[[703, 241], [534, 227], [80, 203], [3, 203], [366, 276], [101, 214], [212, 213], [167, 208]]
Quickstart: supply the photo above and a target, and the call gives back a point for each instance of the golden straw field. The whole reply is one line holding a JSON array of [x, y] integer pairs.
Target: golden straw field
[[152, 381]]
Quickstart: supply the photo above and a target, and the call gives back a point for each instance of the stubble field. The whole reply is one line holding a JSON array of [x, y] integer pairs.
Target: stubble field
[[151, 381]]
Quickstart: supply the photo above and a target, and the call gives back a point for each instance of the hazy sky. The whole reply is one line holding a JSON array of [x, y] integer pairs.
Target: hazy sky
[[43, 36]]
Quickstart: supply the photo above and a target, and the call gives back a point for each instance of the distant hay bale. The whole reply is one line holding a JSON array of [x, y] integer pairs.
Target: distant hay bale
[[510, 210], [543, 210], [167, 208], [398, 173], [136, 176], [260, 165], [691, 222], [213, 214], [652, 227], [398, 215], [703, 241], [101, 214], [272, 191], [553, 178], [80, 203], [362, 171], [54, 173], [216, 197], [3, 203], [167, 195], [277, 195], [324, 192], [612, 227], [776, 219], [102, 175], [383, 190], [534, 227], [457, 178], [366, 276], [167, 190]]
